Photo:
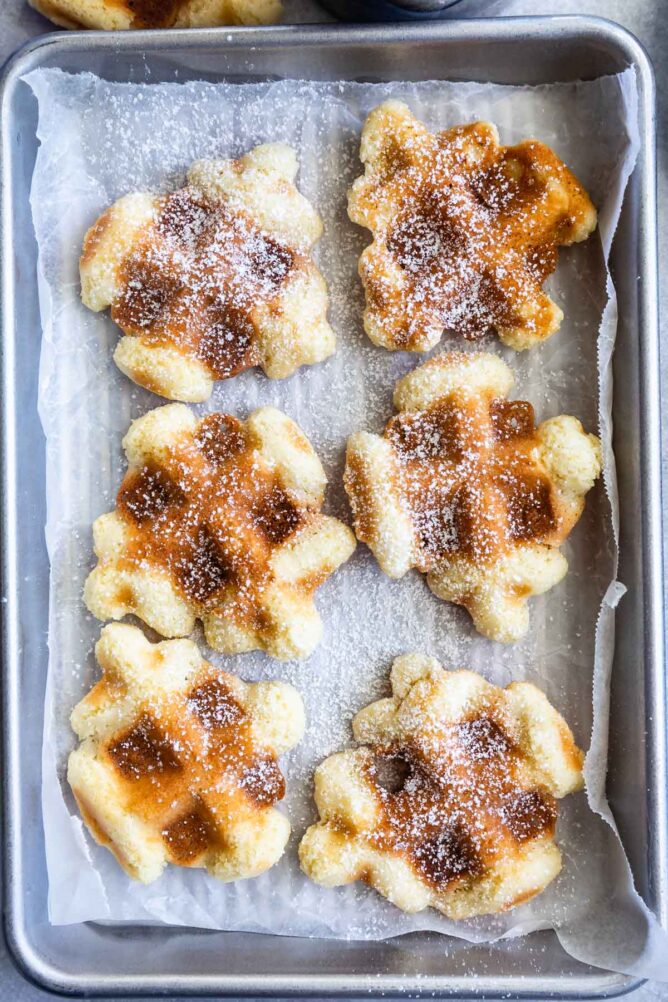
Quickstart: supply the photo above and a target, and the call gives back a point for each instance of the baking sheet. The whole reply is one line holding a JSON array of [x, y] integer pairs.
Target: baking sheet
[[100, 140]]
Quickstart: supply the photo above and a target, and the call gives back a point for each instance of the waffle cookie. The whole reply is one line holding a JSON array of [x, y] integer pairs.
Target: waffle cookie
[[465, 231], [118, 15], [177, 761], [450, 802], [463, 485], [219, 520], [213, 278]]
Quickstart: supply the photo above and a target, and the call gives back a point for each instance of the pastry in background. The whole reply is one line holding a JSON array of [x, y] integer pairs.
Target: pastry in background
[[450, 801], [463, 486], [465, 231], [220, 520], [118, 15], [177, 761], [212, 279]]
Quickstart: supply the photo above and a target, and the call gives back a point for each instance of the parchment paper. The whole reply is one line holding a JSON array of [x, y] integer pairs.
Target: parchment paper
[[100, 140]]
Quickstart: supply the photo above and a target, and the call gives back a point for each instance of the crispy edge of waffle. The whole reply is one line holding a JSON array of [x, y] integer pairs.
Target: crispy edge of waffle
[[107, 15], [291, 329], [337, 849], [135, 673], [293, 626], [496, 596], [393, 141]]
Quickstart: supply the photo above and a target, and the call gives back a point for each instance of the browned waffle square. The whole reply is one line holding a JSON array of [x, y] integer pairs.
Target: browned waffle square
[[464, 486], [178, 759], [465, 231], [450, 802], [221, 520]]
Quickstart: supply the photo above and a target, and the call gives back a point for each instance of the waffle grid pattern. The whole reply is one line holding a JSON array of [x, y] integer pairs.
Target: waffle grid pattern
[[465, 231], [219, 520], [177, 761], [464, 487], [450, 800], [213, 278]]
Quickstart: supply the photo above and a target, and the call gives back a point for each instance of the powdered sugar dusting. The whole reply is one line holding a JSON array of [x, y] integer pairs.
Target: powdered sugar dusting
[[472, 227], [469, 490], [462, 805], [130, 137], [195, 279]]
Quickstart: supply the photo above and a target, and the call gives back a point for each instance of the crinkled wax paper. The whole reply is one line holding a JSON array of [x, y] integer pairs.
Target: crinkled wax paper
[[100, 140]]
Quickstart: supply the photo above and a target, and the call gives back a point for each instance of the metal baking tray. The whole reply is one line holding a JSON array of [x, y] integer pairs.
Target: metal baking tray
[[98, 959]]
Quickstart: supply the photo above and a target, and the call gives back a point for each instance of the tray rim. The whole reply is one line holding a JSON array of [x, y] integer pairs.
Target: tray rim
[[600, 983]]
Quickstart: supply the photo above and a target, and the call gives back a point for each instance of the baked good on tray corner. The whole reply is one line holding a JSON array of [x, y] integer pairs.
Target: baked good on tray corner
[[462, 485], [450, 801], [178, 759], [115, 15], [212, 279], [465, 231], [220, 520]]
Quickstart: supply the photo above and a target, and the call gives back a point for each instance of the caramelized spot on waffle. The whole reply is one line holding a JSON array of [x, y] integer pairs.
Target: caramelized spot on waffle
[[478, 533], [392, 771], [512, 419], [276, 515], [214, 705], [437, 433], [183, 218], [149, 284], [529, 506], [483, 739], [227, 339], [421, 235], [393, 157], [220, 437], [188, 837], [271, 261], [148, 493], [143, 750], [197, 278], [438, 522], [455, 806], [263, 782], [446, 856], [511, 180], [202, 568], [529, 814], [542, 261]]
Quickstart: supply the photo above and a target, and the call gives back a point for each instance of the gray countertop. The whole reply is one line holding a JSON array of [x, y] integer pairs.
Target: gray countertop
[[645, 18]]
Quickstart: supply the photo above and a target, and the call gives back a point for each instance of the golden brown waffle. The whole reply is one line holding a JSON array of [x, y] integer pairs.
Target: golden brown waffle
[[178, 759], [450, 802], [212, 279], [118, 15], [219, 520], [465, 231], [464, 486]]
